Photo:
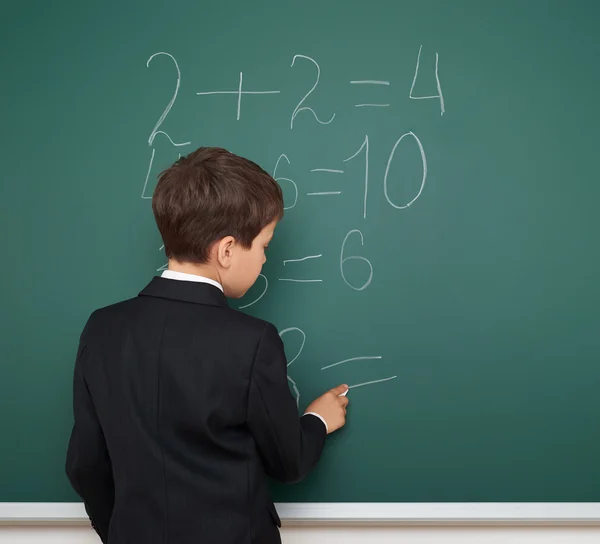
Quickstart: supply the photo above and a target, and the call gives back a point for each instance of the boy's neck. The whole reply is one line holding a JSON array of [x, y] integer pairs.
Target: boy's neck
[[205, 270]]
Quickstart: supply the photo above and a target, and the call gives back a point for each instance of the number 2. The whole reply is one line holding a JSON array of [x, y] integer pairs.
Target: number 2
[[292, 382], [306, 108], [155, 130]]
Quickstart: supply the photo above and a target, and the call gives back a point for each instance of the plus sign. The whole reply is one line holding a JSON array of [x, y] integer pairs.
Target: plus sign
[[239, 94]]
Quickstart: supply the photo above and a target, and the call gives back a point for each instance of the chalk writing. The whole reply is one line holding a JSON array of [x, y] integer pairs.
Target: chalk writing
[[155, 131], [264, 291], [299, 108], [387, 171], [372, 382], [364, 358], [278, 179], [302, 259], [299, 281], [164, 266], [292, 382], [365, 146], [369, 82], [291, 360], [329, 170], [144, 196], [239, 92], [344, 260], [161, 119], [440, 96], [290, 329], [355, 269]]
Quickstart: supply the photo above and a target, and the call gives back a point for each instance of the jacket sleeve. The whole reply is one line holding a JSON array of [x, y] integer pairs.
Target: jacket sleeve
[[289, 445], [88, 464]]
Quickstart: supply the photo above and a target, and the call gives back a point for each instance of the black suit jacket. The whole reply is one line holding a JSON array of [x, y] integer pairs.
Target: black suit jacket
[[182, 407]]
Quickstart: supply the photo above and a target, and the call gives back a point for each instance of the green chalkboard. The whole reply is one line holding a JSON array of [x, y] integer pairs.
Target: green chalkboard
[[439, 165]]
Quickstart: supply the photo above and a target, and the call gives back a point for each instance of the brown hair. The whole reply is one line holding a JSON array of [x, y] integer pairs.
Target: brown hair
[[209, 194]]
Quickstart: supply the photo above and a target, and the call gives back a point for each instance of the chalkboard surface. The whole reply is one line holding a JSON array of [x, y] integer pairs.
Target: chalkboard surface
[[439, 250]]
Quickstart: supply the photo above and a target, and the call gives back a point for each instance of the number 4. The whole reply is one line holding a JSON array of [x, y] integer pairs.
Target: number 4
[[437, 79]]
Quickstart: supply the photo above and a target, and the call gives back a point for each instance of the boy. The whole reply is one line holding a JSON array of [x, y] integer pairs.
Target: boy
[[181, 404]]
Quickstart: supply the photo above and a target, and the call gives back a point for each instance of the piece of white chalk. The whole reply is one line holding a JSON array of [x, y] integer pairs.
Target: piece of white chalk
[[344, 393]]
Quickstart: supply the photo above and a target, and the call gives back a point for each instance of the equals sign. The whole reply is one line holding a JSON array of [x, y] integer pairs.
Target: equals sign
[[326, 193]]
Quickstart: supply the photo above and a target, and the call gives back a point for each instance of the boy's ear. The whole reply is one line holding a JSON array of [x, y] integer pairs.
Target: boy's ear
[[224, 251]]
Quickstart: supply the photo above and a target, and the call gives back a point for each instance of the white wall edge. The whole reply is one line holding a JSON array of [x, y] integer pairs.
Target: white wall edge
[[14, 513]]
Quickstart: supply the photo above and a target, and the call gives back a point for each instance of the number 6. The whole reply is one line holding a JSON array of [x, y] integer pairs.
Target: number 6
[[355, 258], [284, 156]]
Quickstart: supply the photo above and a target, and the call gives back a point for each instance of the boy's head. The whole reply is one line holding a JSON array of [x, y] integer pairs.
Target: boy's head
[[217, 212]]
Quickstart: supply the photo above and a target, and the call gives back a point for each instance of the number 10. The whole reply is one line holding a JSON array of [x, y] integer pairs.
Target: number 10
[[365, 146]]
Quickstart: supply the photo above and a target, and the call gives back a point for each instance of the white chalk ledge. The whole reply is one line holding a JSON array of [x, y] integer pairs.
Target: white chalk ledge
[[357, 513]]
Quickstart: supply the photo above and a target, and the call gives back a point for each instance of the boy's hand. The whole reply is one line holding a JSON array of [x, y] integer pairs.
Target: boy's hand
[[331, 407]]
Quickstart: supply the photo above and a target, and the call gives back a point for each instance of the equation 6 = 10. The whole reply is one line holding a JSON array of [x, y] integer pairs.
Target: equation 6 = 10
[[285, 180]]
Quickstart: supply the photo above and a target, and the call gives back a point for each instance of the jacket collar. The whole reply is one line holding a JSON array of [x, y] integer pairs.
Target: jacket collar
[[185, 291]]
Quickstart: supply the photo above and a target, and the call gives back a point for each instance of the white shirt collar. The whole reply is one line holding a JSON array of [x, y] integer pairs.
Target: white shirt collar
[[183, 276]]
